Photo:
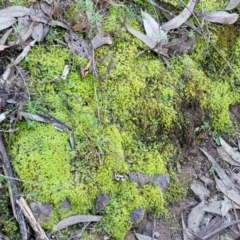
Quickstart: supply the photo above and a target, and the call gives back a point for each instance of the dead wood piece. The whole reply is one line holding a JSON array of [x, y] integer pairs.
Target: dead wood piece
[[40, 234], [12, 188]]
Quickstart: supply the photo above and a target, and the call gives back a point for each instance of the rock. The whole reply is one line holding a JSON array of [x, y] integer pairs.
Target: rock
[[101, 201], [161, 180], [140, 178], [65, 205], [137, 215], [41, 211]]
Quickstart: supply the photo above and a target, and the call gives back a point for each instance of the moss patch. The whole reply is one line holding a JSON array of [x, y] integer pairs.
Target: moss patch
[[121, 124]]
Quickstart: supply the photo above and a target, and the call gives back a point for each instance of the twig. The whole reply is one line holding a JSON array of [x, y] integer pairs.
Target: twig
[[220, 229], [40, 234], [12, 188], [154, 228]]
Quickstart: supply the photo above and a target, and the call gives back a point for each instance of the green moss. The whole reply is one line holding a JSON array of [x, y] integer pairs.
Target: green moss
[[121, 124]]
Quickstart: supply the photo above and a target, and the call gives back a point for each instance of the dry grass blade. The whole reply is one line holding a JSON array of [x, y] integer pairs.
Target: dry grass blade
[[221, 173], [181, 18], [69, 221], [233, 154], [232, 4]]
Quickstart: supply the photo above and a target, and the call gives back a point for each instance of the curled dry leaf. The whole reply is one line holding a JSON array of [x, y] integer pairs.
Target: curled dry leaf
[[6, 22], [181, 18], [74, 220], [101, 39], [220, 17], [225, 157], [37, 33], [79, 27], [232, 4], [14, 11]]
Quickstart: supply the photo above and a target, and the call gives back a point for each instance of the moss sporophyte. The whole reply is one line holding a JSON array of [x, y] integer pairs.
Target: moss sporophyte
[[138, 104]]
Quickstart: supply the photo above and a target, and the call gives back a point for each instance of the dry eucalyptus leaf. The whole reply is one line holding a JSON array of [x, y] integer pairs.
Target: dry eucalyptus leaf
[[14, 11], [232, 4], [148, 41], [5, 36], [221, 173], [195, 217], [59, 24], [225, 157], [2, 47], [79, 27], [37, 15], [101, 39], [199, 190], [220, 17], [69, 221], [235, 155], [37, 33], [153, 29], [6, 22], [46, 8], [181, 18], [231, 194], [143, 237]]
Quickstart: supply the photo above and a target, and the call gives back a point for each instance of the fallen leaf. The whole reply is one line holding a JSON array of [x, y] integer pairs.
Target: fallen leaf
[[148, 41], [221, 173], [153, 29], [37, 33], [69, 221], [87, 69], [65, 72], [199, 190], [231, 194], [46, 8], [14, 11], [225, 157], [233, 154], [220, 17], [232, 4], [6, 22], [2, 47], [181, 18], [101, 39], [5, 36], [143, 237], [79, 27], [195, 217]]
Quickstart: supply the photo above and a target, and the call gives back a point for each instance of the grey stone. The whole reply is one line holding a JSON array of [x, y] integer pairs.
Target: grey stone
[[161, 180], [101, 201], [140, 178], [137, 215], [41, 211], [65, 205]]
